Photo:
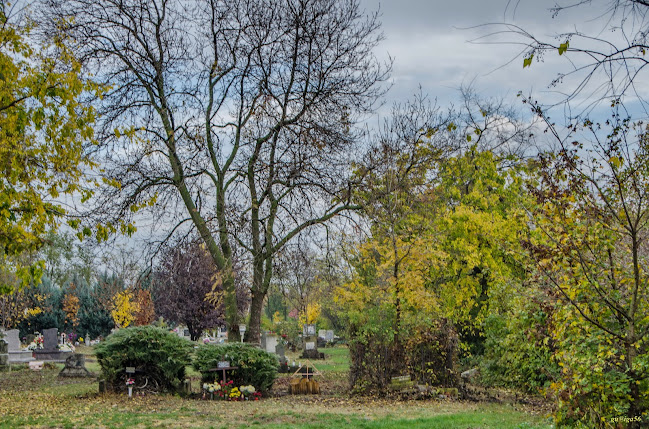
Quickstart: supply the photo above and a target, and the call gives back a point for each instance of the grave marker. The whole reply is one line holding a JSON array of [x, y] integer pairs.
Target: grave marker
[[75, 366], [14, 353], [50, 339], [12, 339]]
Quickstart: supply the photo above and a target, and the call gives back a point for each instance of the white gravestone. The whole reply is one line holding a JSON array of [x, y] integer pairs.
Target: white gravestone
[[271, 343]]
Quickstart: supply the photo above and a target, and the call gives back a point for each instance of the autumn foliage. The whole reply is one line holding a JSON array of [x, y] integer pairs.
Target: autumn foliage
[[188, 289]]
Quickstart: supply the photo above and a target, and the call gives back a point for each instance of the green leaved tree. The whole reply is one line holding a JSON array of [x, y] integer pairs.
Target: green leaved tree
[[43, 130], [590, 242]]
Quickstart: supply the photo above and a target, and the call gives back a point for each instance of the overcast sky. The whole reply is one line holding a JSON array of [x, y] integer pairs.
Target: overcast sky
[[430, 42]]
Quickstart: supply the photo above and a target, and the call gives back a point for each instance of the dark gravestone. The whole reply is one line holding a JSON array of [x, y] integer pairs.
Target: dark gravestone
[[280, 349], [50, 350], [50, 339], [75, 366], [311, 350]]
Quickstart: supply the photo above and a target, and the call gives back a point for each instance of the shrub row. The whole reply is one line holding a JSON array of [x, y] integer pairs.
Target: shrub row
[[160, 357]]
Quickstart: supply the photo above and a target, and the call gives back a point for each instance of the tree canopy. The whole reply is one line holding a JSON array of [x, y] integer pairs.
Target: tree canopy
[[44, 128], [240, 112]]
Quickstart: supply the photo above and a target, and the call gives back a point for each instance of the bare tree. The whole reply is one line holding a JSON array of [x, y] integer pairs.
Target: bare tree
[[234, 116], [605, 65]]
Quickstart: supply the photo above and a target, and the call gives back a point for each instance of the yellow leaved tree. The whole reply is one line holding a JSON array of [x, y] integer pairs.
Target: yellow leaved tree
[[43, 129], [125, 309]]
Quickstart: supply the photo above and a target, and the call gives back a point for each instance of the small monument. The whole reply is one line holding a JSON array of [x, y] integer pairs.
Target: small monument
[[50, 351], [271, 343], [75, 366], [310, 343], [15, 353]]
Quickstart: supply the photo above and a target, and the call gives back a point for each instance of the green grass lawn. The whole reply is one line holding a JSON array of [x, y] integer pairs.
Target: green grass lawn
[[336, 359], [42, 400]]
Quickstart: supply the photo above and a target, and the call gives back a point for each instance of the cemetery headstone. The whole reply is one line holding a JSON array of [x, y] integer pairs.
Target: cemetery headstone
[[75, 366], [50, 352], [263, 340], [14, 353], [308, 330], [310, 339], [271, 344], [12, 338], [280, 350], [329, 336], [50, 339]]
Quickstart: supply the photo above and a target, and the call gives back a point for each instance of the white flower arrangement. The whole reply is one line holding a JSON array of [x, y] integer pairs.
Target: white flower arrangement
[[247, 390], [211, 387], [67, 347]]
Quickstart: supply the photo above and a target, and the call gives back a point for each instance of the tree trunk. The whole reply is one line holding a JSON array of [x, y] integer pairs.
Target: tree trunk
[[193, 333], [253, 334], [230, 304]]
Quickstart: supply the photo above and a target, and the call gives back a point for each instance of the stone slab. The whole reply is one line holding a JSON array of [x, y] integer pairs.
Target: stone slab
[[271, 344], [36, 365], [50, 339], [12, 337], [21, 356], [51, 355]]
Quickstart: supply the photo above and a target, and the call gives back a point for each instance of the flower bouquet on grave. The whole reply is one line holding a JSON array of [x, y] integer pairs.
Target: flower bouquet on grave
[[129, 383], [235, 394], [226, 388], [67, 346], [247, 391], [36, 344], [211, 388]]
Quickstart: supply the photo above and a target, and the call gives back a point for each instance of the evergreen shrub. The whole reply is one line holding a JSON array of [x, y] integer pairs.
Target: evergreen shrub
[[256, 367], [158, 356]]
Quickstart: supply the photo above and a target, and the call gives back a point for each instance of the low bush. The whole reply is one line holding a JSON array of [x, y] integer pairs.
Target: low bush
[[427, 352], [159, 358], [432, 354], [256, 367]]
